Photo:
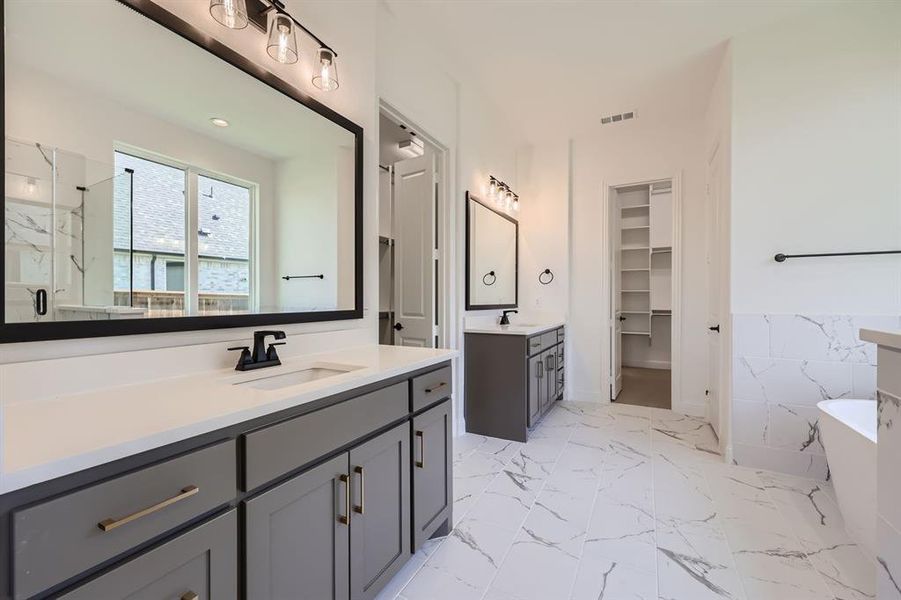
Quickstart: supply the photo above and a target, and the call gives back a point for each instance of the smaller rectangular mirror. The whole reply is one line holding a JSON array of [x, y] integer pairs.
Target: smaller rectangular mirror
[[492, 257]]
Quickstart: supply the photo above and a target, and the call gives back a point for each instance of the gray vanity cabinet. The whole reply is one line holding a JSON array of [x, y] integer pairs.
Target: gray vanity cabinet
[[380, 511], [512, 381], [312, 503], [297, 536], [432, 471], [201, 564]]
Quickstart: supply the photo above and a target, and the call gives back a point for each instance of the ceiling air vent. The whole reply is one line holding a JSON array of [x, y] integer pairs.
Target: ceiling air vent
[[617, 118]]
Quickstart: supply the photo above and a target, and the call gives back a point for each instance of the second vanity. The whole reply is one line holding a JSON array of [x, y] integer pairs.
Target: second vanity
[[262, 490], [514, 374]]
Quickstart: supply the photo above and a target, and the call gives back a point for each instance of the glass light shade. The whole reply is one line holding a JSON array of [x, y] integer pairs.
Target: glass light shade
[[231, 13], [492, 188], [508, 200], [327, 77], [282, 46], [501, 192], [515, 203]]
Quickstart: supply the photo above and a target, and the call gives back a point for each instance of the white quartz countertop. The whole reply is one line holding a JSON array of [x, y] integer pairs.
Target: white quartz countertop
[[513, 328], [55, 436], [892, 339]]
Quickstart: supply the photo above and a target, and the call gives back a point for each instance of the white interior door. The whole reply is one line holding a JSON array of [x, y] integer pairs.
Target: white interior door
[[616, 297], [414, 239], [714, 194]]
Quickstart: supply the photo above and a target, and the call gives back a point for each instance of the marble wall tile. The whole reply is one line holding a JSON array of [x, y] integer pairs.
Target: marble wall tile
[[789, 381], [751, 335], [825, 337], [786, 364]]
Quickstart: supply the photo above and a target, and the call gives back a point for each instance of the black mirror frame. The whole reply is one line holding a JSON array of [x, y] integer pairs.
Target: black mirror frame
[[58, 330], [470, 198]]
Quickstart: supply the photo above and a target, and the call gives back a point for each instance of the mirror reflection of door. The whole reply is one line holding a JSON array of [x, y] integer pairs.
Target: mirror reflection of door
[[408, 238]]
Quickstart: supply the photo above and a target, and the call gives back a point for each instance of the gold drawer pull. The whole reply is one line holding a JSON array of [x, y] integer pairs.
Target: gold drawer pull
[[189, 596], [436, 388], [421, 463], [345, 518], [110, 524], [359, 471]]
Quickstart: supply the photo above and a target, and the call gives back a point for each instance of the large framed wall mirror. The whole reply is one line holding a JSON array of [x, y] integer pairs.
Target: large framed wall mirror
[[492, 257], [157, 180]]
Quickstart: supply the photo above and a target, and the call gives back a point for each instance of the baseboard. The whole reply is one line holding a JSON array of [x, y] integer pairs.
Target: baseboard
[[693, 409], [649, 364], [583, 396]]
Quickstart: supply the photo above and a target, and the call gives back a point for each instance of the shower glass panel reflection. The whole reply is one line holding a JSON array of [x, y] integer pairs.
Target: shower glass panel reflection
[[59, 235]]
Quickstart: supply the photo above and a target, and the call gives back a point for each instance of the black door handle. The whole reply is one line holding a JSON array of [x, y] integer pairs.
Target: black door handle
[[715, 328], [40, 302], [398, 326], [621, 318]]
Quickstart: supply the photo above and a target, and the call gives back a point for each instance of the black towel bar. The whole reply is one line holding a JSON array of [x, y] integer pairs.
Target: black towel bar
[[290, 277], [782, 257]]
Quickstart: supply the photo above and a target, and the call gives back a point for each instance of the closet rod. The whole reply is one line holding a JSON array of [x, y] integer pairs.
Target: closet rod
[[782, 257]]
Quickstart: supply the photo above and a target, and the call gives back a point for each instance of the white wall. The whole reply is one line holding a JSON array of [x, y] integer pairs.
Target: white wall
[[816, 155], [633, 152]]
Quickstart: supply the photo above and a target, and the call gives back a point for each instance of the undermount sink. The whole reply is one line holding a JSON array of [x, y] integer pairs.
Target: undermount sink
[[313, 372]]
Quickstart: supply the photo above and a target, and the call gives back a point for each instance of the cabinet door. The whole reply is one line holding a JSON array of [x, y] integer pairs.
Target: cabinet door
[[380, 517], [432, 471], [297, 536], [535, 386], [201, 564], [551, 379]]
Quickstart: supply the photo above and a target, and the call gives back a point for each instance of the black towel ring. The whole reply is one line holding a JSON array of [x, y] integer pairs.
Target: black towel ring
[[487, 275], [545, 280]]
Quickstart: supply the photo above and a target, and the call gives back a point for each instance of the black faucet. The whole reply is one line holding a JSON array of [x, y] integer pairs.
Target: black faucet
[[261, 356], [505, 318]]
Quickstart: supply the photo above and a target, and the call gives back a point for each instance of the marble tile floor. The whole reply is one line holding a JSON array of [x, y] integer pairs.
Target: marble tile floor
[[618, 502]]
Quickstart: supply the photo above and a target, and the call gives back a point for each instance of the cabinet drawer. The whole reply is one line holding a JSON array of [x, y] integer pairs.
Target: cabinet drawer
[[548, 339], [61, 538], [281, 448], [561, 334], [199, 564], [431, 387], [534, 345]]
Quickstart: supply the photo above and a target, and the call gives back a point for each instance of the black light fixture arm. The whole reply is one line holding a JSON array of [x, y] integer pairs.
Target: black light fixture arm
[[290, 277], [783, 257], [279, 7]]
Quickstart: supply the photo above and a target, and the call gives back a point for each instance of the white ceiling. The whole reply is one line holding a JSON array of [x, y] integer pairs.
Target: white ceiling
[[556, 67]]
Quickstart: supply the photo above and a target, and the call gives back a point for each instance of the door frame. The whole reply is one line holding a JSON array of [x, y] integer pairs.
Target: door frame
[[445, 275], [607, 307]]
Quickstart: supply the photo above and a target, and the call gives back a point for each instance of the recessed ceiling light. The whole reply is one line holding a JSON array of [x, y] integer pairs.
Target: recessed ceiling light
[[218, 122]]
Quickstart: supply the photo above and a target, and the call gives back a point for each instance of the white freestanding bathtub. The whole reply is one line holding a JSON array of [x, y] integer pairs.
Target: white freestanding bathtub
[[848, 429]]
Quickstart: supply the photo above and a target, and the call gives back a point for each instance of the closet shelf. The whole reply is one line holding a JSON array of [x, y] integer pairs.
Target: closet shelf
[[625, 249], [635, 206], [636, 291], [636, 227], [626, 270], [647, 333], [634, 312]]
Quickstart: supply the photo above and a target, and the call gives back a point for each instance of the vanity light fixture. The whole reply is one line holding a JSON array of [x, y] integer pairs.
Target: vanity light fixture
[[502, 195], [271, 17], [282, 46], [219, 122], [230, 13]]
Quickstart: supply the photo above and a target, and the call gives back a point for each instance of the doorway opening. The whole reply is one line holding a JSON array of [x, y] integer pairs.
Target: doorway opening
[[642, 293], [411, 168]]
